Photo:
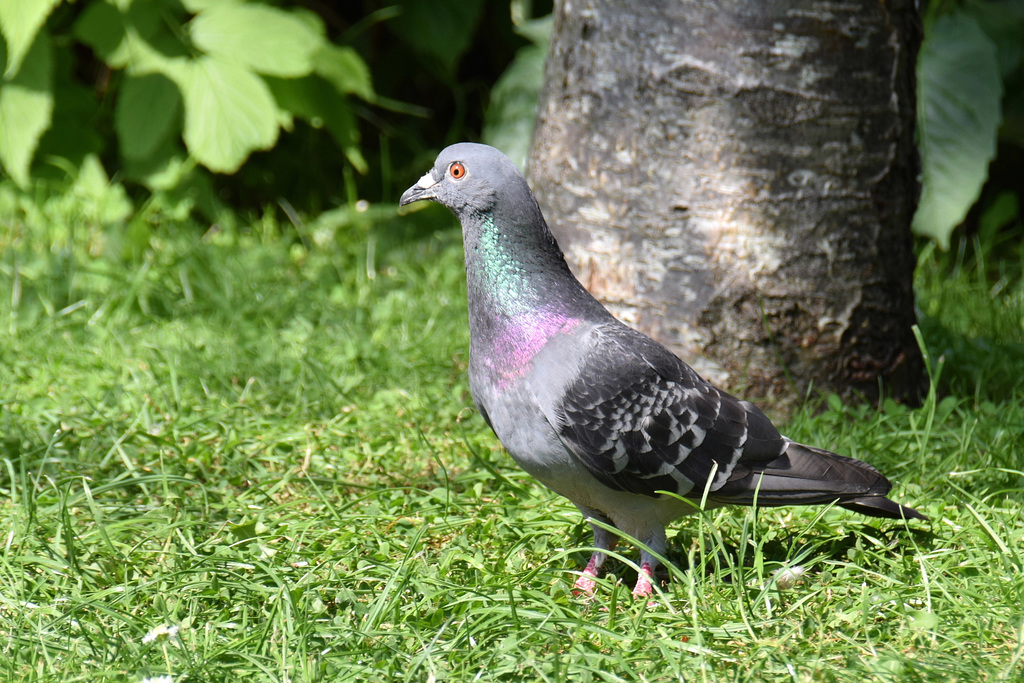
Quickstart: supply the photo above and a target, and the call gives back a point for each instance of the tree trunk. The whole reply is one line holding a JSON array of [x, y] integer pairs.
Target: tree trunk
[[738, 179]]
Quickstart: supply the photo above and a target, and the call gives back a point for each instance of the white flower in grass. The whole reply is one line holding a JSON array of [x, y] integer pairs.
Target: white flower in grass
[[788, 577], [158, 679], [161, 632]]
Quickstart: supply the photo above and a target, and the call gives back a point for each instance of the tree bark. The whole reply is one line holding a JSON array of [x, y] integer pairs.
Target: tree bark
[[737, 179]]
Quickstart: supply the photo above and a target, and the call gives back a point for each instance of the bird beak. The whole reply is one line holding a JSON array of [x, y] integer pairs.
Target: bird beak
[[423, 189]]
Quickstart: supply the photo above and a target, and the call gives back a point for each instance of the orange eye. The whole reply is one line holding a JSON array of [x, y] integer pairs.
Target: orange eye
[[457, 171]]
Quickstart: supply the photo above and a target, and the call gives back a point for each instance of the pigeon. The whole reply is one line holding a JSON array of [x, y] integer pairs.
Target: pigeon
[[597, 411]]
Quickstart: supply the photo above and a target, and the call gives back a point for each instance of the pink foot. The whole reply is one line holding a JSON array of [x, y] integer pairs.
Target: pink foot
[[643, 588], [585, 585]]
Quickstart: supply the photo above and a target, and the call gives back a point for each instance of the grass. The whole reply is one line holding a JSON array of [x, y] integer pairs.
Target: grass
[[263, 439]]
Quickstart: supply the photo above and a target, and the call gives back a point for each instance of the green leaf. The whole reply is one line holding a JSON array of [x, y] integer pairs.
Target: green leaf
[[343, 68], [102, 28], [958, 99], [196, 6], [229, 113], [20, 21], [440, 31], [73, 132], [316, 101], [26, 109], [145, 113], [164, 169], [104, 201], [1004, 209], [1003, 23], [126, 38], [510, 115], [923, 619], [264, 39]]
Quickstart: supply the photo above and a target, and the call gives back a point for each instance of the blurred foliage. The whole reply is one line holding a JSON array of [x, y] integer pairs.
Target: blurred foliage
[[972, 55], [959, 92], [165, 85], [195, 106], [211, 107], [510, 115]]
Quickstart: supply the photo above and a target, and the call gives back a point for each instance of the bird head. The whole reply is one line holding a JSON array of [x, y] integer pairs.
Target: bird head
[[466, 178]]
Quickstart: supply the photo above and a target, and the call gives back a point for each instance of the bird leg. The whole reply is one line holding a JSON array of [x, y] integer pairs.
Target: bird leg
[[643, 587], [648, 563], [605, 542], [585, 584]]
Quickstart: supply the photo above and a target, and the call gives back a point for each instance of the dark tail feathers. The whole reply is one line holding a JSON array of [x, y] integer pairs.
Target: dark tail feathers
[[880, 506], [804, 475]]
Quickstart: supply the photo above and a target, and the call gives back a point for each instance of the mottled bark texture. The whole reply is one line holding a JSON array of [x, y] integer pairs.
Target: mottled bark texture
[[737, 179]]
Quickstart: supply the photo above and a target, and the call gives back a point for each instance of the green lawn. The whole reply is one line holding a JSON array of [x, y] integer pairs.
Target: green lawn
[[263, 443]]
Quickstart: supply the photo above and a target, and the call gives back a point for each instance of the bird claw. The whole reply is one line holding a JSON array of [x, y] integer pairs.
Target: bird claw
[[585, 584], [643, 588]]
